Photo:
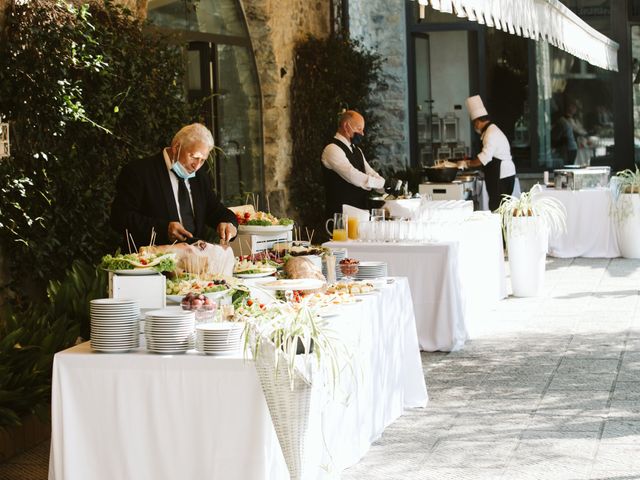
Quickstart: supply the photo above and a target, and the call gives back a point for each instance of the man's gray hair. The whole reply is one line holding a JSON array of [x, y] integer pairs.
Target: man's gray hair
[[196, 132]]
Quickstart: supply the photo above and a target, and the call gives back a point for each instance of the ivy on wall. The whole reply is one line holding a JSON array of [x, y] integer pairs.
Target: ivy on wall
[[329, 75], [86, 90]]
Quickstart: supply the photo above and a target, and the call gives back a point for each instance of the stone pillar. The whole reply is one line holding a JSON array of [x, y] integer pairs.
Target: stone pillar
[[381, 26], [275, 26]]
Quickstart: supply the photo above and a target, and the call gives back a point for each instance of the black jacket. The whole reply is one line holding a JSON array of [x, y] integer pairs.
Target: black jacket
[[145, 200]]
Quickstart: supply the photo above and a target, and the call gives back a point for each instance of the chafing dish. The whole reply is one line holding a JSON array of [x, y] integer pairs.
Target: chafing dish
[[581, 178]]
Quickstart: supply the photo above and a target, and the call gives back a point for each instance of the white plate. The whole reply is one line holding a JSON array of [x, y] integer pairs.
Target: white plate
[[254, 275], [113, 301], [217, 326], [136, 271], [293, 284], [211, 295], [259, 229], [174, 312]]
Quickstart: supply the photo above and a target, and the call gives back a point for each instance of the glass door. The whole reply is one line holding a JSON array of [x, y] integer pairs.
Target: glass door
[[424, 102], [442, 81]]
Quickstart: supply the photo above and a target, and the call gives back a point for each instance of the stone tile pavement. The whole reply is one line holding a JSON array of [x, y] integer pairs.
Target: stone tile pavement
[[549, 388]]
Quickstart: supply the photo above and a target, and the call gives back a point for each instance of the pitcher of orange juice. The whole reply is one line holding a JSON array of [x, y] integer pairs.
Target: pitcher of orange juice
[[340, 226]]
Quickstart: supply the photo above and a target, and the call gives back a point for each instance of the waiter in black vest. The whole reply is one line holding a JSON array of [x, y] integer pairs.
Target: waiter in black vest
[[495, 157], [348, 178]]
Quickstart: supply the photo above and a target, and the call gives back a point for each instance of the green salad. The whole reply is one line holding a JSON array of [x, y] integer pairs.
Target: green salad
[[161, 263]]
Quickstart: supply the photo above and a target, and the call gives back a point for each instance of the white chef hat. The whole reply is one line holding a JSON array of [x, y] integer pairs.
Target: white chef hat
[[475, 107]]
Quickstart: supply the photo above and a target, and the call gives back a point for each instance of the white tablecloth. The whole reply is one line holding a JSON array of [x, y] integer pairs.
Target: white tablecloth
[[452, 283], [144, 416], [591, 229]]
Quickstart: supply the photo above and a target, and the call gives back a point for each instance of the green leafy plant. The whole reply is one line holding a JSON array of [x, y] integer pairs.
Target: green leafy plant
[[30, 338], [624, 184], [86, 89], [549, 211], [330, 75], [295, 331]]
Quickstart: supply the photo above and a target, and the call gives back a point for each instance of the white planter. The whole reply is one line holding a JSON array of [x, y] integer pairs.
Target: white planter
[[527, 241], [628, 225]]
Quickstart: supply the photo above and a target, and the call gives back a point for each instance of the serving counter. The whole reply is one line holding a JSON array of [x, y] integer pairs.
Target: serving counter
[[591, 230], [143, 416], [454, 283]]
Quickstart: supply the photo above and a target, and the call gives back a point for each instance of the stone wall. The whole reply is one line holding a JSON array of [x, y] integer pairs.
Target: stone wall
[[380, 25], [275, 26]]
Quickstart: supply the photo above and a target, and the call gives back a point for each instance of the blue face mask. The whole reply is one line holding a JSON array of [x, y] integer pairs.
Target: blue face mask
[[357, 138], [181, 172]]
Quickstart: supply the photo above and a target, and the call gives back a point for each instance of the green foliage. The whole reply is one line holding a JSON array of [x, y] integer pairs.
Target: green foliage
[[329, 75], [86, 91], [30, 338]]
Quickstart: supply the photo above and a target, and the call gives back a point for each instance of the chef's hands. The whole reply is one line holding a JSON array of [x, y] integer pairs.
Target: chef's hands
[[226, 231], [463, 165], [177, 233]]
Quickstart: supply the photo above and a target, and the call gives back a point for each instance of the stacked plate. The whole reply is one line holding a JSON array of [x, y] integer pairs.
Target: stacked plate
[[339, 253], [115, 326], [367, 270], [219, 338], [169, 330]]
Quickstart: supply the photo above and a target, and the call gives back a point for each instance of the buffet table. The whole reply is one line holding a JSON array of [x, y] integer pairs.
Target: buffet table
[[143, 416], [591, 229], [453, 283]]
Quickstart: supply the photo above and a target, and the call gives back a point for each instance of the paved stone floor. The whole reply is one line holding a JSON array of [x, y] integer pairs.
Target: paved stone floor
[[549, 388]]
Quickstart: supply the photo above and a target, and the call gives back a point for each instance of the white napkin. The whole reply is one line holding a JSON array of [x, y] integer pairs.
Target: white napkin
[[350, 211]]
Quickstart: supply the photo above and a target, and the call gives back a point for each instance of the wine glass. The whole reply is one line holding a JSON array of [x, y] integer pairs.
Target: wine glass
[[349, 269]]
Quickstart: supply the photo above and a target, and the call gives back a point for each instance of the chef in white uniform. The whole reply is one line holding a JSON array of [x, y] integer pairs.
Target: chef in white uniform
[[495, 157]]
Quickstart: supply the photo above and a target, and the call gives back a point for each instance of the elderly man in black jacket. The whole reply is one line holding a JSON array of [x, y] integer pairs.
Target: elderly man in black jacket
[[172, 194]]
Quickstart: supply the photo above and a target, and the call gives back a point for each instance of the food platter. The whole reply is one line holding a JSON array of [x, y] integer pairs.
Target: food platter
[[254, 275], [136, 271], [212, 295], [293, 284], [262, 229]]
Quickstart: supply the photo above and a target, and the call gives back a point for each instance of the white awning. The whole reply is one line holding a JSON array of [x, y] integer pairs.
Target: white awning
[[547, 20]]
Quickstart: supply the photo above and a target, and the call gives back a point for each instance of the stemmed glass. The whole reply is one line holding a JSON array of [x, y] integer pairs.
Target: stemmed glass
[[349, 268]]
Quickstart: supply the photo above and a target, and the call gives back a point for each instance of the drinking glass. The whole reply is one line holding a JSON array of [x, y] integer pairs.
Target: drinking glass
[[352, 227], [340, 227], [377, 214]]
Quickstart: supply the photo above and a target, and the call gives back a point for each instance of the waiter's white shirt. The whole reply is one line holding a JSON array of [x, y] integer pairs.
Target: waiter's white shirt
[[496, 145], [334, 158], [174, 183]]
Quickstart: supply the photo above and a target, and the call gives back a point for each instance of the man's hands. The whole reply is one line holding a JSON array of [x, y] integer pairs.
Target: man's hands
[[177, 233], [226, 231]]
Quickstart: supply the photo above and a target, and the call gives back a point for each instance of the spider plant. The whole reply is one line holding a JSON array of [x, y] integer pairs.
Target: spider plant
[[626, 181], [293, 328], [548, 210]]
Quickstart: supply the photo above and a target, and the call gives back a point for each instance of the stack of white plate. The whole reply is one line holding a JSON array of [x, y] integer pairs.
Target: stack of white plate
[[368, 270], [114, 325], [339, 253], [169, 330], [219, 338]]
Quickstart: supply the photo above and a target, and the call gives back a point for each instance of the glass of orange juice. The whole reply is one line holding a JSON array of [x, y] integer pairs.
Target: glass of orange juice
[[352, 230], [340, 226]]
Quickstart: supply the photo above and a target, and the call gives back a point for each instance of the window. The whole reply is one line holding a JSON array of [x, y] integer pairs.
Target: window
[[221, 73]]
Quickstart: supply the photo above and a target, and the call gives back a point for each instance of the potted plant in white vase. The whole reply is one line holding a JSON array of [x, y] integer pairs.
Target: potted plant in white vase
[[625, 186], [527, 223], [293, 350]]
